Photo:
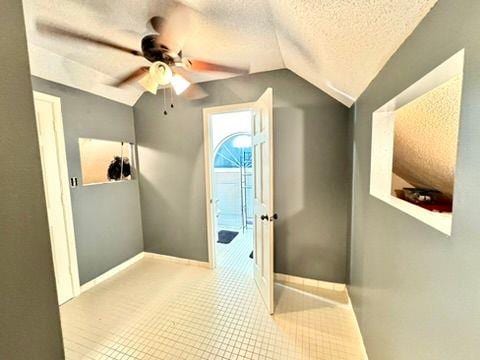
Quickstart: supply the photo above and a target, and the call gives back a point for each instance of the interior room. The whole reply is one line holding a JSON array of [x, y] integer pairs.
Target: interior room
[[202, 179]]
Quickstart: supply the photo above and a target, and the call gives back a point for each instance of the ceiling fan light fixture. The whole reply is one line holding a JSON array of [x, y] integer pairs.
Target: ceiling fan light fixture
[[161, 73], [149, 84], [179, 84]]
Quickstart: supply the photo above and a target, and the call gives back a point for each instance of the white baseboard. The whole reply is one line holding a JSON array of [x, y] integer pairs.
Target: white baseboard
[[133, 260], [204, 264], [310, 282], [357, 328], [315, 296], [111, 272], [177, 259]]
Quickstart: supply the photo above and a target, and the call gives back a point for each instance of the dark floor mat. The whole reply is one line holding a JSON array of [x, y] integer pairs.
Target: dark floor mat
[[251, 255], [225, 236]]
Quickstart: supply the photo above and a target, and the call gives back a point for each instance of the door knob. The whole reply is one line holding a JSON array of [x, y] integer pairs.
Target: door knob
[[274, 217], [264, 217]]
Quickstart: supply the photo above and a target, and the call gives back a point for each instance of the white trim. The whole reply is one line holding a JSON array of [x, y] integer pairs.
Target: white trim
[[357, 327], [66, 199], [112, 272], [315, 296], [136, 258], [208, 152], [222, 109], [177, 260], [310, 282], [450, 68], [207, 148], [324, 285]]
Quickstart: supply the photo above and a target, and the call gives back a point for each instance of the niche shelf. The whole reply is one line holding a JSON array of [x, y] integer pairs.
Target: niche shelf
[[383, 137]]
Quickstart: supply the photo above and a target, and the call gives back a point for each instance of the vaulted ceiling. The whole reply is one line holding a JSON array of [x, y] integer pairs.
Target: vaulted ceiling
[[337, 45]]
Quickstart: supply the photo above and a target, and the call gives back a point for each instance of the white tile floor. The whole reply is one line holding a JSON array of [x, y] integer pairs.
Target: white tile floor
[[163, 310]]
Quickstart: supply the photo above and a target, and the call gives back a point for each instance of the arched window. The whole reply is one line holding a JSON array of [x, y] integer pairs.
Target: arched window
[[234, 152]]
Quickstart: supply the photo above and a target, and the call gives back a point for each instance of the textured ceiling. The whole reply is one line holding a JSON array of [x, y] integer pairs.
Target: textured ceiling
[[426, 137], [337, 45]]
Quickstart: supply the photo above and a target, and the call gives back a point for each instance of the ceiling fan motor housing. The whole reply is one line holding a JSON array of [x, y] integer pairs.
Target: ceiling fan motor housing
[[152, 52]]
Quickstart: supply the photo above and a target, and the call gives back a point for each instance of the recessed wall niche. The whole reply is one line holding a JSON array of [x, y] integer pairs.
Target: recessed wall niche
[[414, 146], [105, 161]]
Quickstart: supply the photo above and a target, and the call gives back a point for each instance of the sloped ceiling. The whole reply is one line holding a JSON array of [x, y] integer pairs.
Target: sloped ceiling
[[426, 138], [337, 45]]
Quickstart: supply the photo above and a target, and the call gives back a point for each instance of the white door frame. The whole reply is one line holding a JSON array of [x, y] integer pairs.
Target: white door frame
[[66, 199], [208, 157]]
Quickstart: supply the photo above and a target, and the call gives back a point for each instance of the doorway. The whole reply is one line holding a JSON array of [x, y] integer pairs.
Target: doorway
[[57, 194], [239, 189], [232, 184]]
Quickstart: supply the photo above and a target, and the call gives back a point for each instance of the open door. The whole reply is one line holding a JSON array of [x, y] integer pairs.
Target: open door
[[57, 195], [262, 148]]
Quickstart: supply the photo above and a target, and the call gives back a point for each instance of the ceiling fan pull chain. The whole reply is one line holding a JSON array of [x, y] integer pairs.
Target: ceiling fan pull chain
[[171, 97], [164, 104]]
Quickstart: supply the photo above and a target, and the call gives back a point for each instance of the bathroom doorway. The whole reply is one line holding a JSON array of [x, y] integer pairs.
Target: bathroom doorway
[[231, 171], [241, 135]]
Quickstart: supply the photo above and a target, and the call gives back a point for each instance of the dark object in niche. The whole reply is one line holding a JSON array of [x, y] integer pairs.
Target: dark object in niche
[[116, 169], [429, 199]]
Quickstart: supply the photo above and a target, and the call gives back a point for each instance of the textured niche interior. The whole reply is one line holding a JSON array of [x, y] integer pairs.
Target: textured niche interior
[[425, 140]]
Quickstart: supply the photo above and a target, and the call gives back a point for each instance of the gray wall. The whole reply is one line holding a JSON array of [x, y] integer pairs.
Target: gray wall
[[311, 173], [107, 220], [416, 291], [29, 317]]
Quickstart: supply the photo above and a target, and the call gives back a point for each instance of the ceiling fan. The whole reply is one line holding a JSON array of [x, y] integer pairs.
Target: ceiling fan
[[163, 49]]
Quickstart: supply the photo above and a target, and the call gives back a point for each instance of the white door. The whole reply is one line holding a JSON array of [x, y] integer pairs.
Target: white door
[[262, 146], [52, 163]]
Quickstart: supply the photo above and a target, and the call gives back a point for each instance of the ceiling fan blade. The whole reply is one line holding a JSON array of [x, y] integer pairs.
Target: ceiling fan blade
[[175, 27], [132, 76], [199, 65], [194, 91], [65, 32]]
